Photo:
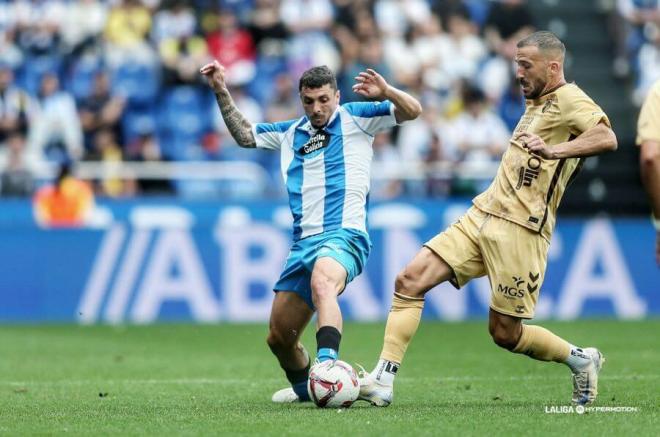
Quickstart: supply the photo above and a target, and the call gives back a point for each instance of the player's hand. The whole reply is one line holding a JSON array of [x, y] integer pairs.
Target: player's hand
[[370, 84], [535, 145], [215, 75]]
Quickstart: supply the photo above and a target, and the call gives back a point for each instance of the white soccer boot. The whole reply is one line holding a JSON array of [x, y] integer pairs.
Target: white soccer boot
[[373, 391], [285, 396], [585, 381]]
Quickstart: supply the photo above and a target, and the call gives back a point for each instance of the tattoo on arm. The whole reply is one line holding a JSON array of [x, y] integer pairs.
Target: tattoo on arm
[[238, 126]]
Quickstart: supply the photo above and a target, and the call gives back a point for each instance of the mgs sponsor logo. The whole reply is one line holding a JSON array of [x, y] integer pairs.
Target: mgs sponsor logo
[[517, 289], [510, 291]]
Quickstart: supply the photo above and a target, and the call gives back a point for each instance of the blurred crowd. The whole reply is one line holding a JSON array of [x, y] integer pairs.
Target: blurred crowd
[[636, 30], [117, 80]]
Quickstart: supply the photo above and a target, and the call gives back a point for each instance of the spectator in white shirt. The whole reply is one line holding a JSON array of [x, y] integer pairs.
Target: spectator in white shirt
[[480, 136], [55, 132]]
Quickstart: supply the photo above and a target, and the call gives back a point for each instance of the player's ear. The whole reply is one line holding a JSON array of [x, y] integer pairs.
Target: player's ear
[[337, 96], [555, 67]]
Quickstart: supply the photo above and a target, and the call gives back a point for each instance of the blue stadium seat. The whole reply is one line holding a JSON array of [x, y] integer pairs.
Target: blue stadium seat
[[80, 80], [136, 122], [183, 118], [268, 67], [139, 83], [33, 68]]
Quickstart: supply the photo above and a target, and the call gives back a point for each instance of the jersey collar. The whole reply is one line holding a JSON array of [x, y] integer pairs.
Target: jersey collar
[[548, 95]]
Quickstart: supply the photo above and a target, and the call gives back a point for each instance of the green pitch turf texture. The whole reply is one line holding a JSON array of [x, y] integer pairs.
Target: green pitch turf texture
[[210, 380]]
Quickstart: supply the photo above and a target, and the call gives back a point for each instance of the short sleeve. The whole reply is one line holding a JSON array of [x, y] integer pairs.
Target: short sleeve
[[372, 117], [580, 113], [648, 124], [271, 135]]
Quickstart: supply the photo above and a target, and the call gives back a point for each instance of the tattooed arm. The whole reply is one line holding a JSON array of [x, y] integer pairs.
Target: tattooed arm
[[239, 127]]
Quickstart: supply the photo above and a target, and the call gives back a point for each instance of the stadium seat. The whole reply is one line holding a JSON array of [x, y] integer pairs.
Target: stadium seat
[[79, 80], [33, 68], [183, 119], [268, 67], [138, 122], [139, 83]]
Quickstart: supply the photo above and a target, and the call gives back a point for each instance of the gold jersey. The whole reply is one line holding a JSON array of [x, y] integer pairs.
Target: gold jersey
[[648, 125], [527, 188]]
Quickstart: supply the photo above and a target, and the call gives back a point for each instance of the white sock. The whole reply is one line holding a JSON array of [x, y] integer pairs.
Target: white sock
[[385, 372], [577, 359]]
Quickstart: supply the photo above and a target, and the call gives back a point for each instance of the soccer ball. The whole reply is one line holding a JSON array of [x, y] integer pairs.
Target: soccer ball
[[333, 384]]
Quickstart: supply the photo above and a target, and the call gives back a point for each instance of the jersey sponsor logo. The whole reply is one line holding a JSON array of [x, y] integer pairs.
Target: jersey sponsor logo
[[519, 285], [512, 290], [526, 175], [317, 142]]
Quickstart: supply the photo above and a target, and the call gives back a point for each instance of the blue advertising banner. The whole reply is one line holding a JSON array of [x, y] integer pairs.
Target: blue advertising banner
[[143, 261]]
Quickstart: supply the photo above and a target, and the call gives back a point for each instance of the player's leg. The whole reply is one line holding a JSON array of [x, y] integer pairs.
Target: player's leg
[[339, 257], [328, 281], [425, 271], [290, 315], [541, 344], [515, 259], [452, 255]]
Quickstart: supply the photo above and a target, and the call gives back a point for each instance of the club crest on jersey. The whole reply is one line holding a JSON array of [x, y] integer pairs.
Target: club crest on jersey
[[315, 143], [548, 104]]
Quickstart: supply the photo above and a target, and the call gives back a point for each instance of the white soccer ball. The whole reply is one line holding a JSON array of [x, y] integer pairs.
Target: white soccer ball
[[333, 384]]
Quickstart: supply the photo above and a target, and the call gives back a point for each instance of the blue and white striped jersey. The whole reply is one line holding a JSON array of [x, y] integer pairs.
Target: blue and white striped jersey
[[327, 171]]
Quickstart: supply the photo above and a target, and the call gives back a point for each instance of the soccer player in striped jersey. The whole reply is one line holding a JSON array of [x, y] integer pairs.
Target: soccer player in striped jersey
[[325, 162], [506, 233]]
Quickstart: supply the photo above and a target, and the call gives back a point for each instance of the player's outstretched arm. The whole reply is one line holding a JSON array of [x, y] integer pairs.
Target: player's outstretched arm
[[594, 141], [239, 127], [372, 85]]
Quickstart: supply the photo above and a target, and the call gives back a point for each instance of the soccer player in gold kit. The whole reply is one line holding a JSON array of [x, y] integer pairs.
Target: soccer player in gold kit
[[648, 140], [506, 233]]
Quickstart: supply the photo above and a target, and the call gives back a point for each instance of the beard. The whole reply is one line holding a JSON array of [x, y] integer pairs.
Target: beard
[[532, 89]]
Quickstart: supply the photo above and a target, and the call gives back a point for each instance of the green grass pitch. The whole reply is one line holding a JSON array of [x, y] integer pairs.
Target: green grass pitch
[[211, 380]]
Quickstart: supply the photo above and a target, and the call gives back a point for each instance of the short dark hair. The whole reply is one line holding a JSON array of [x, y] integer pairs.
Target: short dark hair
[[316, 77], [545, 41]]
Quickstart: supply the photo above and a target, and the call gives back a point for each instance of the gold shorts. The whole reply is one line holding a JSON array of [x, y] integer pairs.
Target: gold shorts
[[513, 257]]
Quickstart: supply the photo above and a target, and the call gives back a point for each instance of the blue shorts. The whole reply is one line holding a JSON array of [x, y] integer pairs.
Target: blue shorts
[[349, 247]]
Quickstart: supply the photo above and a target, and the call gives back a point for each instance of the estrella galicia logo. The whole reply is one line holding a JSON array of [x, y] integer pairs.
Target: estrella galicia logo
[[320, 140]]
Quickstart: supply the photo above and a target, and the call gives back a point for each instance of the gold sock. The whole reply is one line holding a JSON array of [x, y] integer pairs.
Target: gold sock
[[541, 344], [402, 323]]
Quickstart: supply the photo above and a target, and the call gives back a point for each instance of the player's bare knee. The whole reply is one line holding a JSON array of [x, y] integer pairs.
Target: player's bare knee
[[323, 289], [280, 341], [503, 337], [322, 294], [408, 284]]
